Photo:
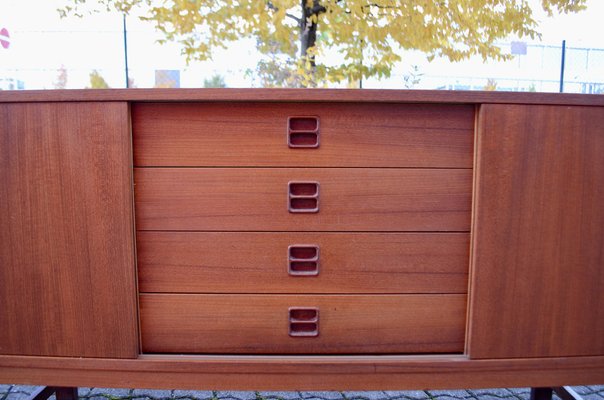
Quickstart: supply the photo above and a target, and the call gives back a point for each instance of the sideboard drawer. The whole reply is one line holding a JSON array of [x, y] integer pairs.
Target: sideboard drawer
[[255, 262], [262, 199], [331, 135], [302, 324]]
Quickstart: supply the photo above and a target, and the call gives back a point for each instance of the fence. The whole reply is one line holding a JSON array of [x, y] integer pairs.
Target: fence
[[534, 67]]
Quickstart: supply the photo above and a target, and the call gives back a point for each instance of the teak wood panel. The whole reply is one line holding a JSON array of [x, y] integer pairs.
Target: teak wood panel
[[66, 239], [185, 323], [295, 372], [350, 135], [538, 250], [350, 199], [268, 95], [235, 262]]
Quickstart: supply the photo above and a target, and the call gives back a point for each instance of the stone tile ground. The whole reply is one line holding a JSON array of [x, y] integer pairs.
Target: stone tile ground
[[20, 392]]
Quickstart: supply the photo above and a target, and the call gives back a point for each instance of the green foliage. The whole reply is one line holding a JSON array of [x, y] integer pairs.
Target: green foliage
[[216, 81], [97, 81], [368, 35]]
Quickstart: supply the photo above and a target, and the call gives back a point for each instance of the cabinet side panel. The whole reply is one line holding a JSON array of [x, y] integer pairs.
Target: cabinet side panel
[[538, 237], [66, 237]]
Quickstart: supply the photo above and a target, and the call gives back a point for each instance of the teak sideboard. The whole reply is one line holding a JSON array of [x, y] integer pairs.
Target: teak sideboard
[[301, 239]]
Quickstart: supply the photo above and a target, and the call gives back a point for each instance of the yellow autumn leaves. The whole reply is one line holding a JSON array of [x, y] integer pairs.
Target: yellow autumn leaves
[[367, 37]]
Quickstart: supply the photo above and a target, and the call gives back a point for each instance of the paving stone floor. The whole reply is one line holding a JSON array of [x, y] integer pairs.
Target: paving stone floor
[[20, 392]]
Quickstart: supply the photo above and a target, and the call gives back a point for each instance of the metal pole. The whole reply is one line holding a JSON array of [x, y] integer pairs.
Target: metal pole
[[126, 52], [562, 66], [361, 78]]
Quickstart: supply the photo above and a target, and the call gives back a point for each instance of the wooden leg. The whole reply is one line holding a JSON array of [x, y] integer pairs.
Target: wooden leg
[[61, 393], [541, 393], [66, 393], [564, 392]]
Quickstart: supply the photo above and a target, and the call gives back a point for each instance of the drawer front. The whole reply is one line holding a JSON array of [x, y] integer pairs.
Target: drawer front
[[302, 324], [259, 199], [252, 262], [347, 135]]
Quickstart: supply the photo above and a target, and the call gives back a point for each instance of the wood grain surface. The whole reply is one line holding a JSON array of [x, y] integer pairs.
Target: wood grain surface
[[303, 372], [66, 240], [537, 262], [255, 134], [173, 323], [236, 262], [297, 95], [354, 199]]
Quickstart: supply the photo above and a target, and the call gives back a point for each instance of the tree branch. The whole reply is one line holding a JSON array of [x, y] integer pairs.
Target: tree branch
[[293, 17], [271, 6], [378, 6], [318, 8]]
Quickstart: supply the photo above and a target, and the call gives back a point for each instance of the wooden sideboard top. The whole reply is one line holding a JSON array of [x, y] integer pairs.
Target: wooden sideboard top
[[306, 95]]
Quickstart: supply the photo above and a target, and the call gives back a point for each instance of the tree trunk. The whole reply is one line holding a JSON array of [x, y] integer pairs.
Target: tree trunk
[[308, 29]]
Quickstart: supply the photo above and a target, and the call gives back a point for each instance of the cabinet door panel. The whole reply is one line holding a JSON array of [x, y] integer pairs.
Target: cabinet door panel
[[538, 235], [66, 238]]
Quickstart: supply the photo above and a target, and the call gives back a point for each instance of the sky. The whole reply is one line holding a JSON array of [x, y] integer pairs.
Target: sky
[[41, 43]]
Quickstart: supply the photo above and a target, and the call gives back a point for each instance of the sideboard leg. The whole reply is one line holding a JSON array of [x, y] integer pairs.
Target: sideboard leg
[[564, 392], [541, 393], [567, 393], [66, 393], [61, 393]]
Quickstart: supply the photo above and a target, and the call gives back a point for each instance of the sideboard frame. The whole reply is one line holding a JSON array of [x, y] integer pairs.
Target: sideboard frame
[[488, 367]]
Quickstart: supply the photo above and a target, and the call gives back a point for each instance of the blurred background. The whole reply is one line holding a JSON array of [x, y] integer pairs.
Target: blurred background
[[41, 50]]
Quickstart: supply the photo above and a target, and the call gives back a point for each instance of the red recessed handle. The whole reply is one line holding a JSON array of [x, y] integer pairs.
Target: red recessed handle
[[303, 197], [303, 132], [303, 260], [303, 321]]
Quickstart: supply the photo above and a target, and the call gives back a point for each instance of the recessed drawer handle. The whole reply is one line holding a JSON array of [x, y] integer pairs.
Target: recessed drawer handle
[[303, 321], [303, 132], [303, 260], [303, 197]]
